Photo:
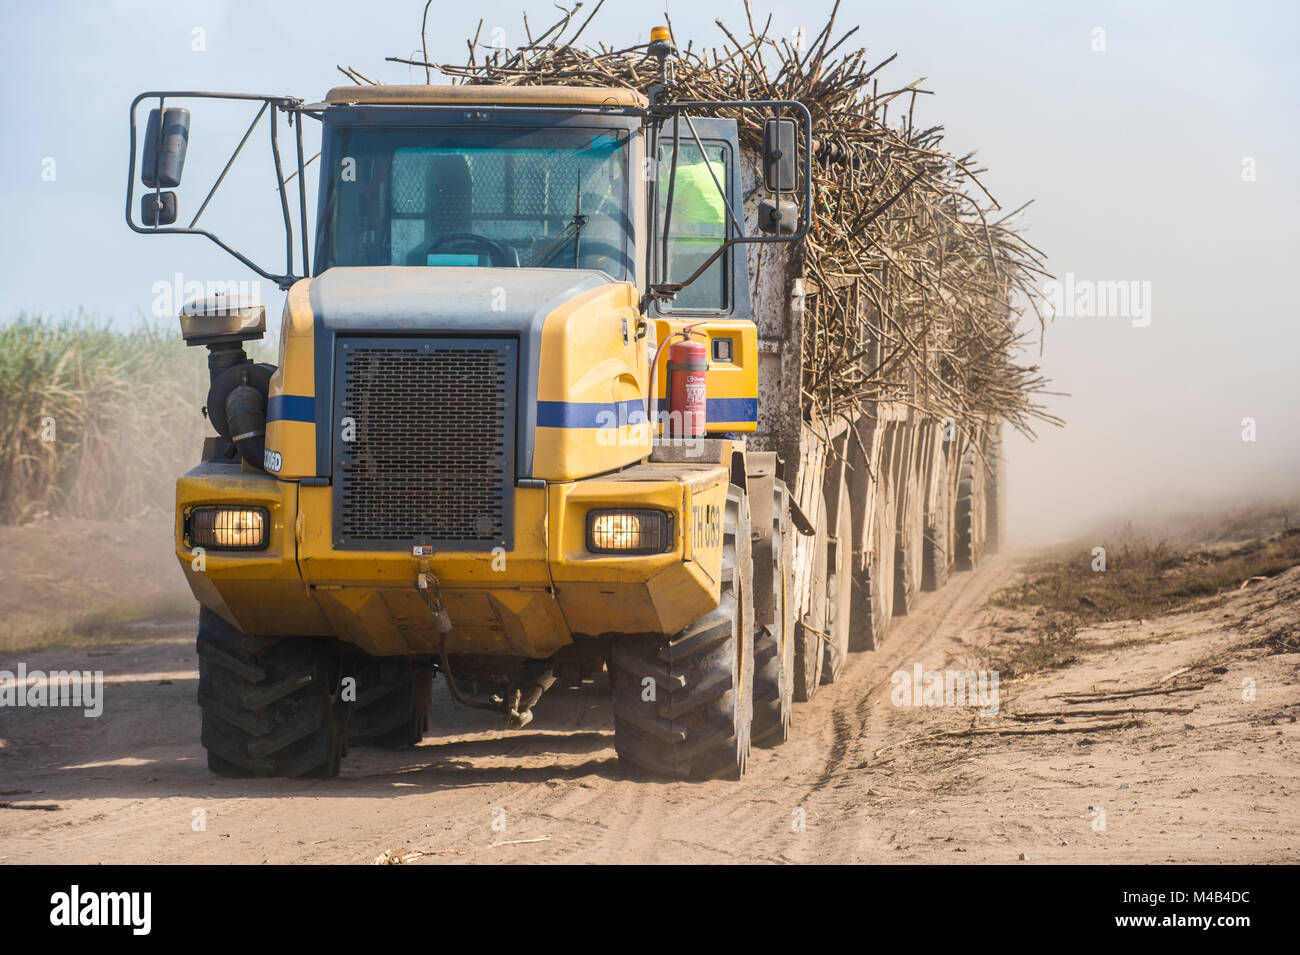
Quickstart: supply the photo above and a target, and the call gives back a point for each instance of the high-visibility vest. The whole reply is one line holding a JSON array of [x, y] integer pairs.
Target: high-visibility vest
[[699, 209]]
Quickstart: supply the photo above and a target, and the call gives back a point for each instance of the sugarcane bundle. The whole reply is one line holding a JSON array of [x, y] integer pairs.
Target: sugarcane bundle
[[915, 290]]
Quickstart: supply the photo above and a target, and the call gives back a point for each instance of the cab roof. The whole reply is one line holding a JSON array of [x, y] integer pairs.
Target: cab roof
[[578, 96]]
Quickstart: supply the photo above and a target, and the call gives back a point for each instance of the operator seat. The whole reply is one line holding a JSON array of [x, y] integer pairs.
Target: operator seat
[[449, 206], [448, 196]]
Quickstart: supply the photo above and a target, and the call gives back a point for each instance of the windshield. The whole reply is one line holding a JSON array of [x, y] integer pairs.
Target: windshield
[[433, 196]]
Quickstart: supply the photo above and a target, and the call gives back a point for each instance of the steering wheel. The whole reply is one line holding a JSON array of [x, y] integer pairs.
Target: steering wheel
[[501, 256]]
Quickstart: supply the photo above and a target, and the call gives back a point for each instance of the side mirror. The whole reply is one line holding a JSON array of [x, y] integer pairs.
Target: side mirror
[[219, 318], [779, 155], [158, 208], [778, 216], [165, 138]]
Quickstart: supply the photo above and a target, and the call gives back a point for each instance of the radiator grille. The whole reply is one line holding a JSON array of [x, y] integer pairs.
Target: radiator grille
[[423, 443]]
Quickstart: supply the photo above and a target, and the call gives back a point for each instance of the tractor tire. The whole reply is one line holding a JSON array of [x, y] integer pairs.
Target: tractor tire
[[936, 559], [839, 592], [774, 643], [995, 506], [970, 517], [810, 631], [683, 704], [909, 562], [393, 699], [874, 590], [271, 706]]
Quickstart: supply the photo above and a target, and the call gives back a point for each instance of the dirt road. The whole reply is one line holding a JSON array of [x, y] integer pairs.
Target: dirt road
[[1216, 780]]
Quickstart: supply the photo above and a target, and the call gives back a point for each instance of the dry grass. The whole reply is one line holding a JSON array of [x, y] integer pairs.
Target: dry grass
[[135, 622], [94, 421], [1143, 579], [1051, 644]]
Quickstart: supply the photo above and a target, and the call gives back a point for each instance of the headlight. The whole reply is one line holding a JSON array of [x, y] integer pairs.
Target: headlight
[[227, 528], [629, 531]]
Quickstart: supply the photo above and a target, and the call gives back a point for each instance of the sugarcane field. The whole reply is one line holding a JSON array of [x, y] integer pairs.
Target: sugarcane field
[[588, 433]]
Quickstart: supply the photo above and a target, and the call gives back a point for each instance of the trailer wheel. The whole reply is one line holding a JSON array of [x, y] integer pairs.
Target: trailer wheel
[[683, 704], [911, 539], [271, 706], [970, 518], [996, 496], [393, 698], [810, 631], [839, 591], [774, 643], [938, 532], [874, 592]]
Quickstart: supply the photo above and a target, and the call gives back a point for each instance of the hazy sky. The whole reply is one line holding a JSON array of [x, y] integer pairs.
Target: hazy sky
[[1158, 140]]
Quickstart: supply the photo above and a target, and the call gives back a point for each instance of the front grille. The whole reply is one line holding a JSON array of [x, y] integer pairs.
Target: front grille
[[424, 437]]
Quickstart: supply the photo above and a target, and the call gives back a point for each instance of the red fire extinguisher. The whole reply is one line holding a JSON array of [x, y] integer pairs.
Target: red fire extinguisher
[[687, 368]]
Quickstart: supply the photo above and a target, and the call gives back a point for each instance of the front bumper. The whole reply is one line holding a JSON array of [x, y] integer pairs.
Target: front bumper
[[529, 601]]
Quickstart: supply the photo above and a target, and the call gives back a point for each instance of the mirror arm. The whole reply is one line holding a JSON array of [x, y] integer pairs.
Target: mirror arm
[[650, 162], [285, 103], [668, 202], [302, 199], [806, 116], [740, 228], [667, 289], [284, 198], [230, 162]]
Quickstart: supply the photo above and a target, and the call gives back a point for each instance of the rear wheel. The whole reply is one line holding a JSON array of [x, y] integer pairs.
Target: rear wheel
[[938, 531], [970, 517], [271, 706], [874, 592], [996, 496], [683, 704], [774, 642], [810, 632], [911, 545], [839, 596], [393, 698]]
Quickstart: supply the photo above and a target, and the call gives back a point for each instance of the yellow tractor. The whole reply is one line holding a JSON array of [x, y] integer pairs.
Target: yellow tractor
[[514, 435]]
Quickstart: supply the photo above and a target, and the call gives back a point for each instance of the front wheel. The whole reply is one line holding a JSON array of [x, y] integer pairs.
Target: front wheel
[[683, 704], [271, 706]]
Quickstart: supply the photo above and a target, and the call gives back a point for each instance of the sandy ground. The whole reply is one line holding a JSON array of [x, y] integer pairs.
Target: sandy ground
[[79, 581], [1216, 781]]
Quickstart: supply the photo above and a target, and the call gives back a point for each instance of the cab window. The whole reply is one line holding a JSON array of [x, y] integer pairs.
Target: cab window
[[698, 226]]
